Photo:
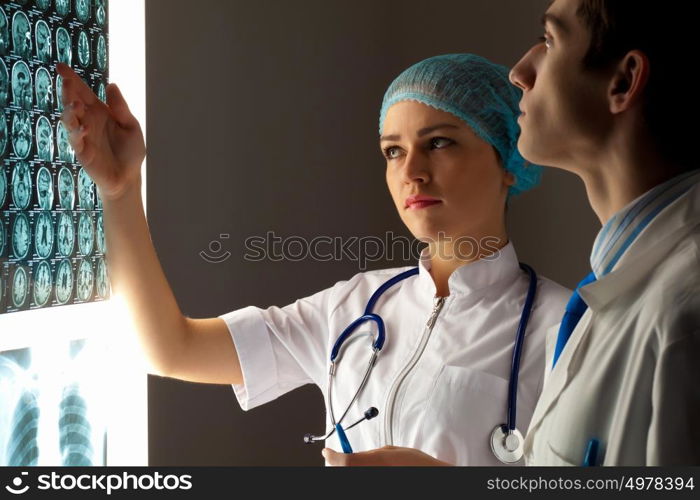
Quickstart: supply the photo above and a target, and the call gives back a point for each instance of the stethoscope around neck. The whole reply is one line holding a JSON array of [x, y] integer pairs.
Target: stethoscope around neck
[[506, 440], [377, 346]]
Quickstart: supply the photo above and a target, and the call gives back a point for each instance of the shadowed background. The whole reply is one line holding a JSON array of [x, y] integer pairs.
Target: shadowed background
[[263, 116]]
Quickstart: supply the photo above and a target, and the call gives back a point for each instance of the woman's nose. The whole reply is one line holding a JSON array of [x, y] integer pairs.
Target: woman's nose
[[416, 168]]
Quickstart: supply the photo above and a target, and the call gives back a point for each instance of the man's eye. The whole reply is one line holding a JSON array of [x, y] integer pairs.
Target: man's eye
[[440, 142], [546, 41]]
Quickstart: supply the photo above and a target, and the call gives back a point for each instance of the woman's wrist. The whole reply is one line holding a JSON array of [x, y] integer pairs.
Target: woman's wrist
[[126, 192]]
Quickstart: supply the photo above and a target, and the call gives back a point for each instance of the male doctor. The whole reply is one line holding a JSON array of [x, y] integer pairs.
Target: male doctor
[[606, 95]]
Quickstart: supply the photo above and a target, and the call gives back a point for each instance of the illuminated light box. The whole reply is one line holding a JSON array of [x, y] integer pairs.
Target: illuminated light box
[[68, 395]]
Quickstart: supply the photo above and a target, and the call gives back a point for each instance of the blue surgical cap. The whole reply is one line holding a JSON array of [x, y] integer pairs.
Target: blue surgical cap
[[477, 92]]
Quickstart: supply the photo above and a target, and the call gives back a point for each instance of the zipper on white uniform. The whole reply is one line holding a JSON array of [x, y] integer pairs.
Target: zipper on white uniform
[[438, 302]]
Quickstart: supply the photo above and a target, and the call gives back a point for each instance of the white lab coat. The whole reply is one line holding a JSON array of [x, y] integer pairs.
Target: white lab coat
[[455, 394], [629, 375]]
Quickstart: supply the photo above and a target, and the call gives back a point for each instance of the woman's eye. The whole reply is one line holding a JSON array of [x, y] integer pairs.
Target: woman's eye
[[440, 142], [391, 152]]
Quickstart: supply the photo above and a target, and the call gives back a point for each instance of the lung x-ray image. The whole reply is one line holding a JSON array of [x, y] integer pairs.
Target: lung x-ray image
[[52, 402]]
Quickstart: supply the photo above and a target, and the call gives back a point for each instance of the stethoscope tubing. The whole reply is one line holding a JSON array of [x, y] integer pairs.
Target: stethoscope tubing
[[518, 347], [377, 345]]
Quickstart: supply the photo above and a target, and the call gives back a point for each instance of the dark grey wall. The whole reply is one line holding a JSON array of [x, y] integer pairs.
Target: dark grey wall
[[262, 116]]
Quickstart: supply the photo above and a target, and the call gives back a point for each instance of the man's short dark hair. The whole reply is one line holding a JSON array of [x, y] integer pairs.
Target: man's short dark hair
[[664, 34]]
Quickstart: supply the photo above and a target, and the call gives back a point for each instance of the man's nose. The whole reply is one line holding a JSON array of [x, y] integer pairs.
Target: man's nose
[[523, 74]]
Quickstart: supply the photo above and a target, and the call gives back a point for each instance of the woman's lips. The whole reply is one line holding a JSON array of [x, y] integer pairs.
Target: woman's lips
[[422, 204], [418, 201]]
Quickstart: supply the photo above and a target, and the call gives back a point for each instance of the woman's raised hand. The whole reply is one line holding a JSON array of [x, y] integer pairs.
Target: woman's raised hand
[[107, 139]]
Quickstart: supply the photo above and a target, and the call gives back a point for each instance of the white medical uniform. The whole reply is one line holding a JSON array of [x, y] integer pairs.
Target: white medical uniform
[[447, 386], [629, 376]]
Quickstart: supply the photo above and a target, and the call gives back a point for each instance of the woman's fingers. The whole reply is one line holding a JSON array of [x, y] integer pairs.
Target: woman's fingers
[[117, 104], [71, 118], [74, 88], [78, 144], [76, 114], [76, 138], [78, 108]]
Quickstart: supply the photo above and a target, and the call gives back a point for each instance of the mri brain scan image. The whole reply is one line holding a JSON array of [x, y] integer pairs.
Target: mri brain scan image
[[43, 4], [22, 85], [102, 279], [52, 236], [66, 234], [44, 235], [21, 35], [86, 190], [4, 82], [100, 12], [86, 280], [86, 234], [63, 46], [4, 33], [20, 286], [42, 283], [44, 94], [21, 236], [66, 189], [42, 39], [3, 188], [101, 92], [59, 93], [21, 185], [101, 53], [83, 49], [65, 150], [44, 139], [82, 10], [62, 7], [3, 242], [3, 135], [64, 281], [101, 241], [44, 189], [22, 133]]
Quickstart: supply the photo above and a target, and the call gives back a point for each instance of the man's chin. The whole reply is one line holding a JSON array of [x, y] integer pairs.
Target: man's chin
[[533, 151]]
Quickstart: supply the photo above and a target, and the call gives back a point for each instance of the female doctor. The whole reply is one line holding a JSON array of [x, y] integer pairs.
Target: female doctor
[[420, 359]]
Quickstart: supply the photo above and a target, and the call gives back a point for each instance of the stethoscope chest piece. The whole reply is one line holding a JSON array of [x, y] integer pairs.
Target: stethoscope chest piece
[[507, 445]]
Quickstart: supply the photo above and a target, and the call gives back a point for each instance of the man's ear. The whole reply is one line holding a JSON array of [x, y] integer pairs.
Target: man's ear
[[628, 82], [509, 179]]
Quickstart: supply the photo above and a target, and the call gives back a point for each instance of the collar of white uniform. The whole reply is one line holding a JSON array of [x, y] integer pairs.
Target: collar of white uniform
[[501, 266], [674, 220], [623, 228]]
